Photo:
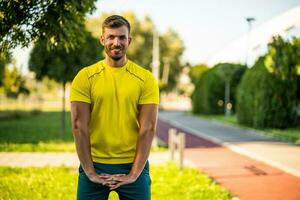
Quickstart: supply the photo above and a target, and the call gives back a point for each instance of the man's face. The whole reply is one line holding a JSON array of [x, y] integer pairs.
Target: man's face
[[115, 42]]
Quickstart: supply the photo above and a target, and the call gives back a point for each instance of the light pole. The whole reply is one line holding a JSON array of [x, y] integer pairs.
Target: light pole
[[155, 67], [226, 74], [249, 21], [155, 55], [165, 76]]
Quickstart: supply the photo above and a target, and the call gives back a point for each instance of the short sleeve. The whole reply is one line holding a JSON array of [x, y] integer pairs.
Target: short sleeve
[[81, 87], [150, 92]]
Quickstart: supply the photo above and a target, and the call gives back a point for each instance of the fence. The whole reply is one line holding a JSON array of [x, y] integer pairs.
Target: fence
[[177, 145]]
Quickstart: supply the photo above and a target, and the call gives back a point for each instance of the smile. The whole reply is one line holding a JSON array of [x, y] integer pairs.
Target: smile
[[116, 50]]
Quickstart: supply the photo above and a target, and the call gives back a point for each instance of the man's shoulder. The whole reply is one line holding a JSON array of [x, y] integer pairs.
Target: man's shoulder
[[92, 69], [138, 71]]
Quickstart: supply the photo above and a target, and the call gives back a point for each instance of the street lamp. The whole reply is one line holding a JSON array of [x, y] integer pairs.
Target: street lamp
[[166, 70], [155, 55], [249, 21]]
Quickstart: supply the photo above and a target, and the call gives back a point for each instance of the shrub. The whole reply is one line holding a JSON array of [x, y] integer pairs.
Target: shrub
[[208, 96], [266, 100]]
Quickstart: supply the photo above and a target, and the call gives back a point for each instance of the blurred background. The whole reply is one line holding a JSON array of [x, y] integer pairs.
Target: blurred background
[[233, 62]]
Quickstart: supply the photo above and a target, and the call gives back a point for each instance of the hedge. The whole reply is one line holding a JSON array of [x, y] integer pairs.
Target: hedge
[[210, 88], [265, 100]]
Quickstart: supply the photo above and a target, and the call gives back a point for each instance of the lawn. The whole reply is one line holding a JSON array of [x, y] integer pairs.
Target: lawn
[[168, 182], [34, 131], [289, 134]]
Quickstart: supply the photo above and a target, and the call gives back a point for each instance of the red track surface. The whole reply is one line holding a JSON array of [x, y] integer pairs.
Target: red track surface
[[248, 179]]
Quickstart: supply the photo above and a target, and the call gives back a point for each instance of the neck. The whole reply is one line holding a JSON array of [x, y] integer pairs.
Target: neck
[[111, 62]]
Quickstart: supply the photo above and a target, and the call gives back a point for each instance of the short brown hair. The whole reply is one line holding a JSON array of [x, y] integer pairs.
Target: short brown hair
[[115, 21]]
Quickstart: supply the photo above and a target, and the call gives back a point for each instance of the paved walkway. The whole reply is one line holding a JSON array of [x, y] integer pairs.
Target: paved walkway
[[39, 159], [251, 143], [249, 164]]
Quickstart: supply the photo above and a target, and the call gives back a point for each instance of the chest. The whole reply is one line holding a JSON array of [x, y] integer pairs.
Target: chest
[[120, 88]]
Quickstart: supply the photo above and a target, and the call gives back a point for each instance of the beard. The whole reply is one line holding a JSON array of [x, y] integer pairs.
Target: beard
[[115, 57]]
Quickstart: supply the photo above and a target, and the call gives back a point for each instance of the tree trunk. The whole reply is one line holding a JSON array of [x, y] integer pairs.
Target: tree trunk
[[63, 113]]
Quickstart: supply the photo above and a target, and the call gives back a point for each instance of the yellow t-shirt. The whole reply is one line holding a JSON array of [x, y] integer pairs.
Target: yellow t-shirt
[[114, 95]]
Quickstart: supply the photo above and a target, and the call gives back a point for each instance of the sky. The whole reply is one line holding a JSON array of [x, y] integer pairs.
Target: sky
[[204, 26]]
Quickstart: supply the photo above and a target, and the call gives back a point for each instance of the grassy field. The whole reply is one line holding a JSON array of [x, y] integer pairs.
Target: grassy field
[[60, 183], [289, 135], [34, 131]]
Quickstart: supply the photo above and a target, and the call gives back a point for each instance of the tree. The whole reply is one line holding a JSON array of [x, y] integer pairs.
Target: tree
[[14, 83], [283, 57], [140, 50], [62, 65], [264, 100], [196, 72], [171, 48], [283, 60], [5, 58], [58, 23], [208, 96]]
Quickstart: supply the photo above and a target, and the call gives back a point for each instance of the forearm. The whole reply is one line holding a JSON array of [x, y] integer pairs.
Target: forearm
[[83, 148], [142, 152]]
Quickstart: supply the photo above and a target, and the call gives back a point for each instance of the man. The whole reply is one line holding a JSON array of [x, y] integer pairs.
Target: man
[[114, 108]]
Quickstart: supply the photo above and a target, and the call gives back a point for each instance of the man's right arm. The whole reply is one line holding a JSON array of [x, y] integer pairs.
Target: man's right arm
[[80, 114]]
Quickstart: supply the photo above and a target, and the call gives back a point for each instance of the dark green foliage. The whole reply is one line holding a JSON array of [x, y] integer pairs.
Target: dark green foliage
[[283, 57], [209, 90], [298, 89], [60, 65], [235, 81], [196, 72], [14, 83], [246, 93], [267, 96], [11, 80], [266, 100], [59, 23], [5, 58]]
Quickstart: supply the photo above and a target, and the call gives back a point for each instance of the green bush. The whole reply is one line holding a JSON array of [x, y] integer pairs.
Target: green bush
[[265, 100], [209, 91], [196, 72]]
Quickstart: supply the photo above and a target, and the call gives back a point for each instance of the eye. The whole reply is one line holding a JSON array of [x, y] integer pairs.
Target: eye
[[110, 37], [122, 37]]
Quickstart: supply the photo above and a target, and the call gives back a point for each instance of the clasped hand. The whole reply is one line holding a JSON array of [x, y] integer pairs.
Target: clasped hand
[[112, 181]]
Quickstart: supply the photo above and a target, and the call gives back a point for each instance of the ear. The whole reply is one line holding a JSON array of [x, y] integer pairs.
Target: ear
[[101, 39], [129, 40]]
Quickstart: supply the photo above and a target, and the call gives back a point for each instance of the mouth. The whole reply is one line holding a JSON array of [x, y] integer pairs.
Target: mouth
[[116, 50]]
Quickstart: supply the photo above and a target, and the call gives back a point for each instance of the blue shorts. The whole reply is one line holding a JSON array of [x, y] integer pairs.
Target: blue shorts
[[139, 190]]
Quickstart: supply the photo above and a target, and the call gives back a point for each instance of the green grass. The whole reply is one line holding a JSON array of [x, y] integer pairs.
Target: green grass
[[35, 132], [38, 147], [221, 118], [289, 134], [168, 182], [60, 183]]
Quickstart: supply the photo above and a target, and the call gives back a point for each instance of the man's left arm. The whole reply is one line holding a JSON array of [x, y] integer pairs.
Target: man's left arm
[[147, 120]]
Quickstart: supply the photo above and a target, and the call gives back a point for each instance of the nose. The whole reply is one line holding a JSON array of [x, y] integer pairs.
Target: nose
[[116, 41]]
